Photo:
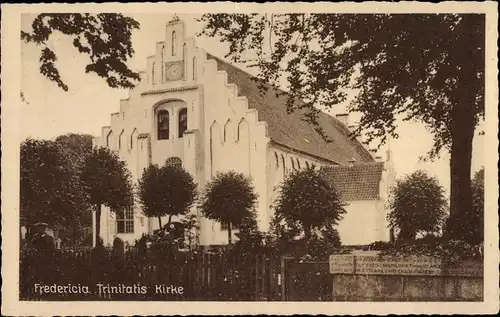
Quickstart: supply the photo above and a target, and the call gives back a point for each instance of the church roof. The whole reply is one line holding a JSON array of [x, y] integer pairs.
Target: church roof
[[360, 181], [289, 129]]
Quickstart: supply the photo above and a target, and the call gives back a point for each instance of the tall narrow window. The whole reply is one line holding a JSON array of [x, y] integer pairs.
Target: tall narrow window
[[120, 140], [163, 124], [125, 221], [153, 80], [182, 121], [277, 160], [109, 139], [307, 164], [283, 163], [298, 164], [293, 163], [184, 61], [162, 64], [194, 68], [174, 44]]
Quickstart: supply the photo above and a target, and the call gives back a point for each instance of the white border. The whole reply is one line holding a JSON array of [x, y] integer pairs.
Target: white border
[[10, 168]]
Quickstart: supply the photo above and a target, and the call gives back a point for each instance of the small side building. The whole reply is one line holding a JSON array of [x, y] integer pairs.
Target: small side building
[[365, 188]]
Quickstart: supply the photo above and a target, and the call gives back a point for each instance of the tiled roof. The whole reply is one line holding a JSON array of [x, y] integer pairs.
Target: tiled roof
[[289, 129], [359, 181]]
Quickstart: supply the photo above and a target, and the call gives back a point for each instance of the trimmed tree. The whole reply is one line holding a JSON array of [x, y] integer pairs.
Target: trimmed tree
[[229, 198], [108, 182], [417, 205], [308, 201], [50, 189], [167, 190]]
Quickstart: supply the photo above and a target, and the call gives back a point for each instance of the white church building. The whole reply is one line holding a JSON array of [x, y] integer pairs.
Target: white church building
[[194, 109]]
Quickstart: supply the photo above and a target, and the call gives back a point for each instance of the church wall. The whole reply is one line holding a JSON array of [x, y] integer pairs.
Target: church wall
[[280, 162], [235, 140]]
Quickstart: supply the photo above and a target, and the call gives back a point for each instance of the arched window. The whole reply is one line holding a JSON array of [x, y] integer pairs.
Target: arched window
[[163, 124], [293, 162], [174, 161], [174, 44], [307, 164], [182, 121], [277, 160], [194, 68], [298, 164]]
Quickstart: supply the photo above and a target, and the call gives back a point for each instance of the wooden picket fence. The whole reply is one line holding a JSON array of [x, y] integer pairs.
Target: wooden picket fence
[[203, 276]]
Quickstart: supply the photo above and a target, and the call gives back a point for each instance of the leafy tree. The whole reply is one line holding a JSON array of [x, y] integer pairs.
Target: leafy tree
[[108, 182], [104, 37], [308, 201], [167, 190], [77, 146], [412, 65], [51, 190], [229, 198], [417, 205]]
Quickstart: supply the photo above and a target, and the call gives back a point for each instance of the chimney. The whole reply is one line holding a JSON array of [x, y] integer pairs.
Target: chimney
[[343, 117]]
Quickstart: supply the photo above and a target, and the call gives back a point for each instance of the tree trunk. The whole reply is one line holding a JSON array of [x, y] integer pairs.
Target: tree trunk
[[229, 233], [159, 222], [98, 224], [462, 134]]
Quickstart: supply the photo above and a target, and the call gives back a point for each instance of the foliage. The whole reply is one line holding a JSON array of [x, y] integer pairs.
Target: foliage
[[108, 182], [78, 147], [451, 251], [409, 65], [167, 190], [192, 228], [106, 38], [229, 198], [50, 190], [250, 239], [308, 200], [417, 205]]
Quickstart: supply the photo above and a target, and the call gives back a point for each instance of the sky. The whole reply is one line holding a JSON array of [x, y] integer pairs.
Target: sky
[[87, 106]]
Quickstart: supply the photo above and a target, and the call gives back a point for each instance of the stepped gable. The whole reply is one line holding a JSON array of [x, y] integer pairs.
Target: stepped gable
[[289, 129], [359, 181]]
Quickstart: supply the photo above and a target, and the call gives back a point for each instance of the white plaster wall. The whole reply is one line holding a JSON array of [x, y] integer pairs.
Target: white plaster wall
[[363, 223]]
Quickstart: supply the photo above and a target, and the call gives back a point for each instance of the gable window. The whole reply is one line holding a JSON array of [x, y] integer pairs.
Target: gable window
[[163, 124], [194, 68], [174, 44], [182, 121], [153, 74], [125, 221]]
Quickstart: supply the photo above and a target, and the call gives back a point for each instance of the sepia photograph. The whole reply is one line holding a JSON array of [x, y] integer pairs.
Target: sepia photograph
[[253, 156]]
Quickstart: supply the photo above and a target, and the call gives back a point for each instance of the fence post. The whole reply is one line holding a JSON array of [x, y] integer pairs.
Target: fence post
[[283, 296]]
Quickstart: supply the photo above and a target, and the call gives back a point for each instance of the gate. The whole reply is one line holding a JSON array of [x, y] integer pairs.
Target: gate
[[306, 281]]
